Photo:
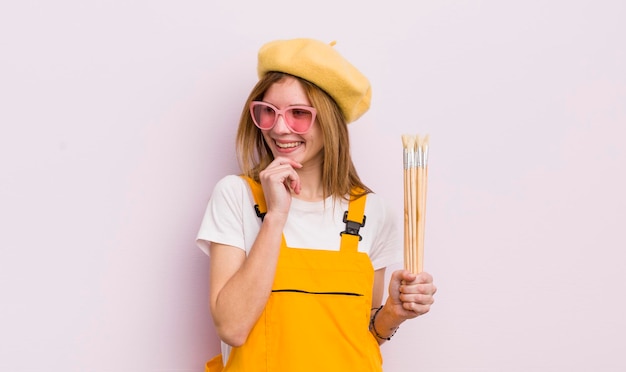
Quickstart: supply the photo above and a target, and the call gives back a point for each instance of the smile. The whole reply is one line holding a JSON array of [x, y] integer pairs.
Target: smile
[[288, 144]]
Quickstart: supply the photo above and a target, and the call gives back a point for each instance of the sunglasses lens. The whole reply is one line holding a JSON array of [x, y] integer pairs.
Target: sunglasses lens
[[264, 116], [299, 119]]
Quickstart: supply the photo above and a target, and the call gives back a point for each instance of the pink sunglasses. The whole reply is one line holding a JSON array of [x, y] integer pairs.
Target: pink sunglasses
[[298, 118]]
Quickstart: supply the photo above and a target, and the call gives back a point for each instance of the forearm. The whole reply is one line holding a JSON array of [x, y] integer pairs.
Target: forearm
[[237, 305]]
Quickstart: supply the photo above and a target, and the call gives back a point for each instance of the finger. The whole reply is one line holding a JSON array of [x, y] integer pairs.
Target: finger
[[286, 161], [421, 278], [418, 309], [292, 182], [418, 288], [277, 173], [295, 186], [407, 276], [420, 299], [395, 282], [403, 277], [424, 277]]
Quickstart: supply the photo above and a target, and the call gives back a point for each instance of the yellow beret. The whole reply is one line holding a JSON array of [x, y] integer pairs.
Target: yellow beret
[[323, 66]]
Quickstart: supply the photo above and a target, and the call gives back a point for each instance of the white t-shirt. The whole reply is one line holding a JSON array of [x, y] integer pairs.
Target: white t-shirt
[[230, 219]]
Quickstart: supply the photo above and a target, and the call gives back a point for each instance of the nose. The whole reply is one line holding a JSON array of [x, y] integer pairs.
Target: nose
[[281, 125]]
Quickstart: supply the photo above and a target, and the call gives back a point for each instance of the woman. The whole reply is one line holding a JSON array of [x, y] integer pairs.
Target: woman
[[298, 244]]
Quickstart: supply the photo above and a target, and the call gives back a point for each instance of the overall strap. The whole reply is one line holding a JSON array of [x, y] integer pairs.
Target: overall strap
[[354, 218], [259, 199]]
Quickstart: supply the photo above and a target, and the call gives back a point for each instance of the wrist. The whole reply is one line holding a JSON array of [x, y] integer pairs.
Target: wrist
[[381, 327], [275, 219]]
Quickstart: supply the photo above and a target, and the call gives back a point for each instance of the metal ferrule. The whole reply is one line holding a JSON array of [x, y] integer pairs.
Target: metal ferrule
[[420, 157], [407, 158]]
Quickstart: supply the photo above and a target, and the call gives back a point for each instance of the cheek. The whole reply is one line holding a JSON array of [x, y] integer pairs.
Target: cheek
[[314, 143], [315, 134]]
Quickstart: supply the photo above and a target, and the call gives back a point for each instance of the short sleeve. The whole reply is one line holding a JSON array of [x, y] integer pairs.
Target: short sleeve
[[387, 243], [223, 219]]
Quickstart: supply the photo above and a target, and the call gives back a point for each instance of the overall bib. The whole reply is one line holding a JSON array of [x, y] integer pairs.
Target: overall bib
[[317, 316]]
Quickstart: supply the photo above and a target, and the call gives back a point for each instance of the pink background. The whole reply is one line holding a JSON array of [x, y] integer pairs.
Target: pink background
[[117, 118]]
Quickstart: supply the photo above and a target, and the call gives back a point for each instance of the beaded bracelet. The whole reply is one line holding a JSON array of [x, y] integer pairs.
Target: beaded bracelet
[[373, 327]]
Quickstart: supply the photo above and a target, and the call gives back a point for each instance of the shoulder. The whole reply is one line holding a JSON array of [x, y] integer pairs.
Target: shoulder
[[228, 214], [231, 191], [230, 186], [379, 211], [375, 203], [231, 181]]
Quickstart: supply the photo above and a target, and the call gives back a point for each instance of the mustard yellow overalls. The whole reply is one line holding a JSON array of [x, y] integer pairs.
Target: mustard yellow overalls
[[317, 316]]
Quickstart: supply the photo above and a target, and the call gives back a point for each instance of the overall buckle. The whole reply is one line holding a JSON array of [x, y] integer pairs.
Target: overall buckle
[[352, 227], [258, 212]]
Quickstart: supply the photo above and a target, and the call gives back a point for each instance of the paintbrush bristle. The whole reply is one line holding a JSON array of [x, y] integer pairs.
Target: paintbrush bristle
[[405, 140], [410, 143]]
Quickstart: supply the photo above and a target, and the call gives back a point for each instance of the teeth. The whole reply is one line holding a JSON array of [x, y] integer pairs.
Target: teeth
[[287, 145]]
